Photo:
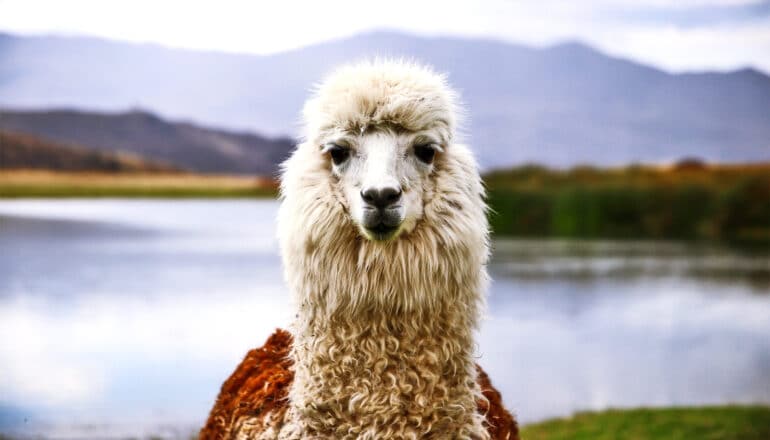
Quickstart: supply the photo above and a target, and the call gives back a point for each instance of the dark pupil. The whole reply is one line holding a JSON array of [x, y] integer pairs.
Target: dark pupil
[[339, 154], [425, 153]]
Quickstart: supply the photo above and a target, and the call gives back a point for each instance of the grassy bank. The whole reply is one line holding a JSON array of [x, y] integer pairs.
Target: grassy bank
[[16, 184], [706, 423], [691, 201], [699, 423]]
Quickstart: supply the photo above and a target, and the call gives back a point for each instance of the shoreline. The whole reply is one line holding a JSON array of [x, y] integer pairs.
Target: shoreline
[[712, 203], [50, 184], [715, 422]]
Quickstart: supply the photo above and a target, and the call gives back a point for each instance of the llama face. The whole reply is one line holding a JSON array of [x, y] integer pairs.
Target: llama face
[[383, 173], [378, 137]]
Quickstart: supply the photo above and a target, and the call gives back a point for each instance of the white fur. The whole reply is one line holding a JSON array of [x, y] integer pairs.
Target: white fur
[[383, 342]]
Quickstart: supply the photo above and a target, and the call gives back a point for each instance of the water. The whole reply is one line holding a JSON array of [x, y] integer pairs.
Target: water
[[122, 318]]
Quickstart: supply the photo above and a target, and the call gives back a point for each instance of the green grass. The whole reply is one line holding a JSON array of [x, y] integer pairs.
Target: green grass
[[694, 202], [702, 423], [714, 202], [685, 423]]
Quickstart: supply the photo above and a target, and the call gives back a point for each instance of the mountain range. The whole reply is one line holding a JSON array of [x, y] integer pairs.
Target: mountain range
[[560, 105], [22, 151], [185, 145]]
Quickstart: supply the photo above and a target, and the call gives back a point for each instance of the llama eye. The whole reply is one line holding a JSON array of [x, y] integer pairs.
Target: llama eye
[[425, 152], [339, 154]]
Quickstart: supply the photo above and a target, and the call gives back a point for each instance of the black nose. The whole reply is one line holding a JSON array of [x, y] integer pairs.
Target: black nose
[[381, 197]]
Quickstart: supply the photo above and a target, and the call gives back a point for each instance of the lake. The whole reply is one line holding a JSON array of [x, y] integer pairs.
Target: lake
[[121, 318]]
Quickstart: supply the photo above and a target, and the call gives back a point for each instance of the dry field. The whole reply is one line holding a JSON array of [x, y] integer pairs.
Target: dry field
[[31, 183]]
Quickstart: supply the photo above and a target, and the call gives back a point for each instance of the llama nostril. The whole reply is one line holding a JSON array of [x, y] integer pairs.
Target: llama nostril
[[381, 197], [368, 195], [390, 195]]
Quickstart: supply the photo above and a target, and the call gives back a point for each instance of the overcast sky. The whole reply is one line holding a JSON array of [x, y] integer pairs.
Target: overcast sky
[[674, 35]]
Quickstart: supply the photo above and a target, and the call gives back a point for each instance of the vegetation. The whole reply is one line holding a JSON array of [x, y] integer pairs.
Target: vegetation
[[14, 184], [688, 201], [683, 423], [705, 423]]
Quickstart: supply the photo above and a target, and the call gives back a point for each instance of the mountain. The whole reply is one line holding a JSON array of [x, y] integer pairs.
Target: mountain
[[21, 151], [182, 144], [558, 105]]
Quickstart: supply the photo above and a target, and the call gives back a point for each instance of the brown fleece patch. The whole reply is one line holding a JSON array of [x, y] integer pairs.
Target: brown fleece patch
[[500, 423], [259, 386]]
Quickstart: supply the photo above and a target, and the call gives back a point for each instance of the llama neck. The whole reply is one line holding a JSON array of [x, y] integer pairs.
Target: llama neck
[[383, 336], [386, 350], [386, 376]]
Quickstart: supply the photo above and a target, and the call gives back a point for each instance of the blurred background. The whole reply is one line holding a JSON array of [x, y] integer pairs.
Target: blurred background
[[625, 146]]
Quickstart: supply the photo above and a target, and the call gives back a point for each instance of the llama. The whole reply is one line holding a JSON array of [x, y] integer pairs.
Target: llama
[[384, 241]]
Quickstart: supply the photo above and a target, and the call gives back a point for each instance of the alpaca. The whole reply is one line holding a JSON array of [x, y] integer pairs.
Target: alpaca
[[384, 240]]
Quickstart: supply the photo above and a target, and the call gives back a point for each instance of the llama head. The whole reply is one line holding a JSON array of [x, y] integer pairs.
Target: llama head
[[380, 187], [382, 129]]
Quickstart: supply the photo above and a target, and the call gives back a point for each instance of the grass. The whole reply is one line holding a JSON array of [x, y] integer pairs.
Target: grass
[[690, 201], [18, 184], [677, 423], [699, 423], [693, 201]]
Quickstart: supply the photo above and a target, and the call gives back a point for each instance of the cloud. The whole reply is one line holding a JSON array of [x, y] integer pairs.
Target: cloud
[[674, 35], [703, 48], [695, 15]]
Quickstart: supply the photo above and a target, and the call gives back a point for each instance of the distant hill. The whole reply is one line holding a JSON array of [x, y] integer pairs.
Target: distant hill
[[559, 105], [21, 151], [182, 144]]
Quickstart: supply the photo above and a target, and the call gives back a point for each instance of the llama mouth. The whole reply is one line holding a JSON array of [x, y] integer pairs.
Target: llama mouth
[[381, 232]]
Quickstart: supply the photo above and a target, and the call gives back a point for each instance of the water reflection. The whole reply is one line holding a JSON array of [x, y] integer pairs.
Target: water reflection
[[585, 261], [124, 317]]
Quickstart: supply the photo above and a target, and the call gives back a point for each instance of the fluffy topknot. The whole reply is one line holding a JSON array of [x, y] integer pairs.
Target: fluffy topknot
[[382, 92]]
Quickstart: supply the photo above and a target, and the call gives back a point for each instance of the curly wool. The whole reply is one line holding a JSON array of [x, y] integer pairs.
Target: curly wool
[[383, 336], [382, 92], [252, 402], [384, 331]]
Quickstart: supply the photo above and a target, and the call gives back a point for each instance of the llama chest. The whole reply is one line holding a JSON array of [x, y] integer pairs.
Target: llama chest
[[383, 386], [254, 404]]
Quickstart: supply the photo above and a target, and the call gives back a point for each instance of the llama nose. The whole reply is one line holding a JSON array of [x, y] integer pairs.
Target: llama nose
[[381, 197]]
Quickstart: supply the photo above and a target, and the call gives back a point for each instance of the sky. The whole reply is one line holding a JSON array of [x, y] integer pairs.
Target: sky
[[683, 35]]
